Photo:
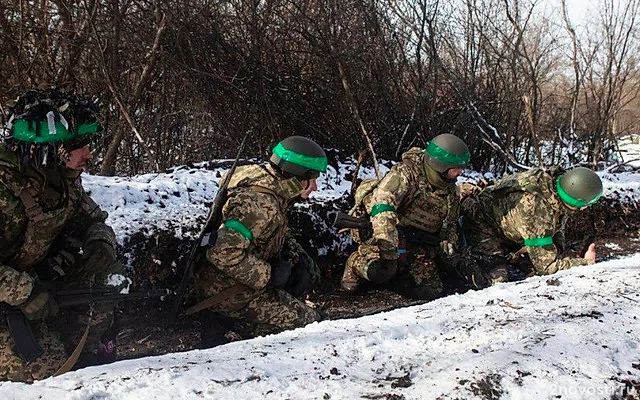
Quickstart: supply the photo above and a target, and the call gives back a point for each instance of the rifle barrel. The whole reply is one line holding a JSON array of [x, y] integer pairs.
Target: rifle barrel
[[78, 297]]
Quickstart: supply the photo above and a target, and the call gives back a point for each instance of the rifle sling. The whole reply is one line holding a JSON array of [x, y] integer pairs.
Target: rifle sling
[[217, 298], [516, 254], [73, 358]]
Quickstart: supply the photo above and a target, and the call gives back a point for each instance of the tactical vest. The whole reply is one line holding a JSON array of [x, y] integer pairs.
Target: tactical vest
[[425, 207], [42, 226]]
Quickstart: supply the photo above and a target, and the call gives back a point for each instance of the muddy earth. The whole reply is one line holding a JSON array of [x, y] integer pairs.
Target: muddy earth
[[160, 257]]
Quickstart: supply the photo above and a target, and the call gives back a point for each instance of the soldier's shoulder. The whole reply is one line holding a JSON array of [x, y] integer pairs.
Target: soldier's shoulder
[[254, 198]]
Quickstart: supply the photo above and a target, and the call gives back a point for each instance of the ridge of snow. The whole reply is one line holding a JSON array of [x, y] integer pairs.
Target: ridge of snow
[[180, 198]]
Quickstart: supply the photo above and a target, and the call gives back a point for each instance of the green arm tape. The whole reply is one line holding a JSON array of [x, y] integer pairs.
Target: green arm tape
[[538, 242], [380, 208], [239, 227]]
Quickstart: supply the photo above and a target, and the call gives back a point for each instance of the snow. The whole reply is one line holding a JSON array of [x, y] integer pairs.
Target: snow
[[612, 246], [180, 198], [575, 335], [630, 150]]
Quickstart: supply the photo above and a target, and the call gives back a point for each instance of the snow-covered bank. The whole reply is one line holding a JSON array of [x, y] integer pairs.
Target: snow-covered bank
[[574, 335], [177, 201]]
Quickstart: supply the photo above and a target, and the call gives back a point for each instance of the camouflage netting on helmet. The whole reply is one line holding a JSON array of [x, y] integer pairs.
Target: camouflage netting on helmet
[[45, 124]]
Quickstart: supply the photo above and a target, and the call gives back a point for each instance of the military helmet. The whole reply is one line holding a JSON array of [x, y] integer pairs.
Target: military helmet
[[579, 187], [300, 157], [447, 151], [52, 115], [49, 122]]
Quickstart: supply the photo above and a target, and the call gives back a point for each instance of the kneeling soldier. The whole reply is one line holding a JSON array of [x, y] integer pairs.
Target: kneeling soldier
[[46, 219], [256, 265], [413, 212], [526, 213]]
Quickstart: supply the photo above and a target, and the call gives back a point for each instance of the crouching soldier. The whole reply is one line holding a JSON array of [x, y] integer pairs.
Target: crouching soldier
[[526, 213], [413, 212], [46, 220], [256, 271]]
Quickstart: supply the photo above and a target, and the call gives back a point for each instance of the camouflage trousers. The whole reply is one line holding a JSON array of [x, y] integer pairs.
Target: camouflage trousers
[[417, 274], [59, 335], [265, 311], [487, 252]]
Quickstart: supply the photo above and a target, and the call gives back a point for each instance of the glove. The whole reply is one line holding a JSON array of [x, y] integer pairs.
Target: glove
[[280, 273], [300, 281], [40, 304], [98, 256]]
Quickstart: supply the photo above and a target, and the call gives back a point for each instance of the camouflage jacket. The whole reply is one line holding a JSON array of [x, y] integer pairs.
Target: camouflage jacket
[[525, 209], [412, 200], [36, 205], [254, 230]]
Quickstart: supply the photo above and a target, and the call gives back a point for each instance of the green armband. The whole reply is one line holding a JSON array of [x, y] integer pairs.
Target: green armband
[[539, 242], [380, 208], [239, 227]]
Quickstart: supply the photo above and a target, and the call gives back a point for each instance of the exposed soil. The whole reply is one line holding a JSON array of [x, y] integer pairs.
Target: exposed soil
[[143, 329]]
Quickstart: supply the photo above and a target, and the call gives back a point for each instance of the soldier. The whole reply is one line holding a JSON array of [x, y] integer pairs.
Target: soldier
[[413, 212], [255, 265], [46, 218], [527, 212]]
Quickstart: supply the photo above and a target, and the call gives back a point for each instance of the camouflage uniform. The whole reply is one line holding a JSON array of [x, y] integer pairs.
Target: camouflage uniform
[[41, 211], [522, 209], [258, 199], [423, 201]]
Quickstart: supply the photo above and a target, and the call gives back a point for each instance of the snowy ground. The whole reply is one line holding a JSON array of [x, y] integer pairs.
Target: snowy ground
[[574, 335], [175, 200]]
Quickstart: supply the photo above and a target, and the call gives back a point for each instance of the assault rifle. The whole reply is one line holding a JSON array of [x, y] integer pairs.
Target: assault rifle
[[206, 238], [27, 345], [413, 236]]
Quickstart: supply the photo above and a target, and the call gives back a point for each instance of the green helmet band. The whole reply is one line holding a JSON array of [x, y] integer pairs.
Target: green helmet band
[[26, 131], [572, 201], [441, 154], [314, 163]]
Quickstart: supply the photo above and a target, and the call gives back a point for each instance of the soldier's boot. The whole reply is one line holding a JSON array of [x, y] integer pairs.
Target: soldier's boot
[[498, 274], [470, 271], [381, 271], [213, 329], [349, 282]]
